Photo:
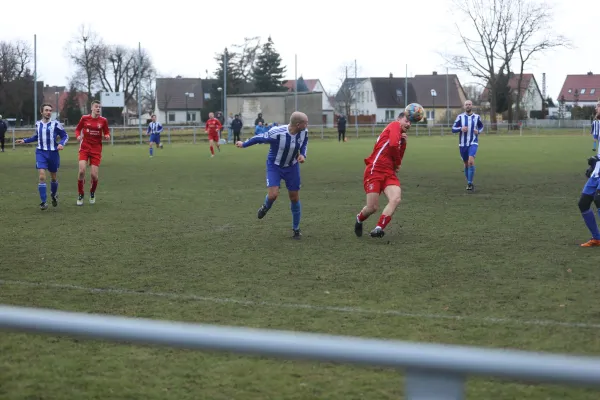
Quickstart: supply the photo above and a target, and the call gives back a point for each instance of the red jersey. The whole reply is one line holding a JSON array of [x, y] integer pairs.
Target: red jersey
[[93, 130], [388, 151], [213, 126]]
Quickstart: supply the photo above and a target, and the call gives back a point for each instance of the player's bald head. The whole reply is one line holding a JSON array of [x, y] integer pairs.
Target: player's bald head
[[298, 122], [298, 117]]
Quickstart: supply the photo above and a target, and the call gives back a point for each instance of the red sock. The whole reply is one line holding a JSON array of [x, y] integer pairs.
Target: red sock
[[80, 183], [361, 217], [94, 185], [383, 221], [212, 150]]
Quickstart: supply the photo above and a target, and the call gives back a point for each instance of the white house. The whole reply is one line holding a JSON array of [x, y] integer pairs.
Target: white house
[[179, 100], [382, 99], [531, 95], [314, 85]]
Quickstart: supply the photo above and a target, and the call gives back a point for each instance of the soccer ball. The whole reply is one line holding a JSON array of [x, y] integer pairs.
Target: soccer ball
[[414, 112]]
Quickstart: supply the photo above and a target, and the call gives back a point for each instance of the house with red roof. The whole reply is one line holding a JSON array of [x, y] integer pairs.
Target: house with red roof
[[582, 90], [531, 95], [314, 86], [57, 96]]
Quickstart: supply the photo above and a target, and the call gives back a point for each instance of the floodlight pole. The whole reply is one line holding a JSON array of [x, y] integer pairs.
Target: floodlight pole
[[138, 90], [35, 108]]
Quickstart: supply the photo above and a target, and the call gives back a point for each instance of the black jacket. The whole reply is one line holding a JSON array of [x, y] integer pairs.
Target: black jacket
[[236, 125], [3, 127]]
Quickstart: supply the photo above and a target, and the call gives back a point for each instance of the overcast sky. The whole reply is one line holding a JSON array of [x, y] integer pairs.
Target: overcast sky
[[383, 36]]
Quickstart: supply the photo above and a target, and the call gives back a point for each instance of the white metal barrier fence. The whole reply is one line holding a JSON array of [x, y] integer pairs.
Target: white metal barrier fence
[[432, 372], [195, 133]]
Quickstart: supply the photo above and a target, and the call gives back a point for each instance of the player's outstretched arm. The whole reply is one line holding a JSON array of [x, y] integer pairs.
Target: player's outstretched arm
[[31, 139], [457, 125], [257, 139]]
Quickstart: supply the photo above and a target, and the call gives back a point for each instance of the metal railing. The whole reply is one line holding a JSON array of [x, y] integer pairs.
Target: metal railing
[[432, 371], [193, 134]]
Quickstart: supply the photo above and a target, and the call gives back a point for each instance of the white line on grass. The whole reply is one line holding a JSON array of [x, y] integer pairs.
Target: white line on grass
[[312, 307]]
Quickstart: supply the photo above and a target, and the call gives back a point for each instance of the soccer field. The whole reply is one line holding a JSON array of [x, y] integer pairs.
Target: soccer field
[[176, 237]]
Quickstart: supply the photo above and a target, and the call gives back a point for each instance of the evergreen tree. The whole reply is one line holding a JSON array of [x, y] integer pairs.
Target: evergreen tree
[[502, 93], [301, 85], [71, 110], [235, 83], [268, 72]]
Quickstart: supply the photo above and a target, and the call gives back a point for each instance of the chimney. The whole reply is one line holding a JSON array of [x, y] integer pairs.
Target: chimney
[[434, 72], [391, 75], [590, 73]]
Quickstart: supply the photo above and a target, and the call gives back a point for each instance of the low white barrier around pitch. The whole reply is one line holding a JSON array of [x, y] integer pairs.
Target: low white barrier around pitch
[[432, 371]]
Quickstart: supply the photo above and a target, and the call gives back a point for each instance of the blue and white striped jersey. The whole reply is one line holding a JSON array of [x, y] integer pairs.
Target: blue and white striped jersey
[[284, 146], [46, 134], [472, 122], [595, 129], [154, 128]]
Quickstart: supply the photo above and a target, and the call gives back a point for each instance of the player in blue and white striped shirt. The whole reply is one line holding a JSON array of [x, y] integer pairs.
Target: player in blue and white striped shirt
[[288, 145], [591, 191], [46, 154], [154, 130], [468, 125], [595, 132]]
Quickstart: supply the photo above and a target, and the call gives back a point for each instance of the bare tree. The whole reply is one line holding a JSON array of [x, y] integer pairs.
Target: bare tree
[[245, 56], [534, 35], [481, 38], [14, 60], [148, 93], [122, 69], [16, 80], [85, 51], [497, 30], [474, 92], [167, 99], [345, 96]]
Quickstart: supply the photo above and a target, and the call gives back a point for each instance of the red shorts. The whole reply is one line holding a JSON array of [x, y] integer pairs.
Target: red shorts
[[214, 137], [93, 156], [377, 181]]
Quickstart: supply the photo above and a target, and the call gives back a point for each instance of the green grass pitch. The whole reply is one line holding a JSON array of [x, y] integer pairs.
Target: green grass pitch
[[176, 237]]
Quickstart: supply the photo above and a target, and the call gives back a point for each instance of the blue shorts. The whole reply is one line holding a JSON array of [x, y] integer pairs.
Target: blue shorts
[[468, 151], [291, 176], [591, 186], [46, 159], [155, 138]]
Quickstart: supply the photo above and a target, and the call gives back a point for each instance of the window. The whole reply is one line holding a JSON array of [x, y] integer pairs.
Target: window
[[570, 91], [399, 95], [431, 115], [390, 115], [592, 91], [582, 91], [191, 117], [171, 117], [206, 96]]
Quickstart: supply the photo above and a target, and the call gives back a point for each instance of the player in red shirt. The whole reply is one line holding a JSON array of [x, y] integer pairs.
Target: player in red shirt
[[90, 131], [213, 127], [380, 175]]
